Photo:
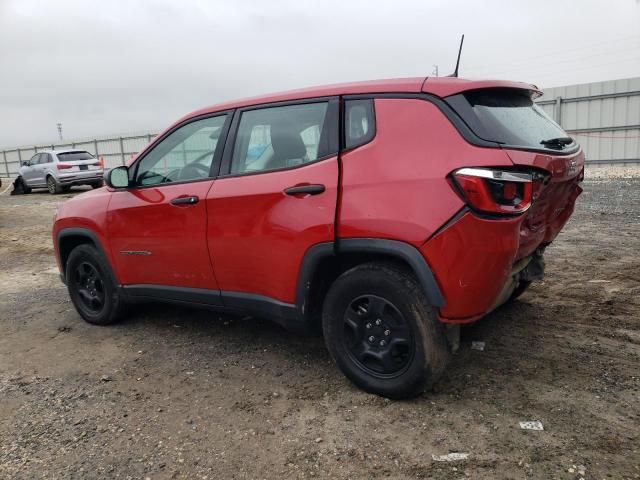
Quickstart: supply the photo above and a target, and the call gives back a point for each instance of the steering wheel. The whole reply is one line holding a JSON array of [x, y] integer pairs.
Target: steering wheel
[[194, 170]]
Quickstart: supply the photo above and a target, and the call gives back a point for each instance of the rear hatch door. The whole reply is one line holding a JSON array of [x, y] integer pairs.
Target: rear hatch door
[[534, 142], [78, 162]]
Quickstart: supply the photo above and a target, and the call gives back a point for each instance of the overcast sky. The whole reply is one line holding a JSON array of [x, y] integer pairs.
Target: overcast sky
[[118, 67]]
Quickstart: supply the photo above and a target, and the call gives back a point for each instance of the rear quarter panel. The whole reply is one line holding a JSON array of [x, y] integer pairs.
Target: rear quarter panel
[[396, 186]]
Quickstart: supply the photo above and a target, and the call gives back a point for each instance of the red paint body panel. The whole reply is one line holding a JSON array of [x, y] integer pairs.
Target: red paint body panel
[[258, 235], [395, 187], [144, 220], [471, 261], [87, 210], [556, 200]]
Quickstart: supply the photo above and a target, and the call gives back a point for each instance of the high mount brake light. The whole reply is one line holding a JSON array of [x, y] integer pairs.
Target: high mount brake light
[[497, 191], [62, 166]]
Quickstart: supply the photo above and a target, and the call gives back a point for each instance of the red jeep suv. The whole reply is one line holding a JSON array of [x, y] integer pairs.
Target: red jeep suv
[[388, 212]]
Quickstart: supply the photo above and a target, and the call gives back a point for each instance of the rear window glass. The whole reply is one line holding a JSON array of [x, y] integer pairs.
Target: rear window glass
[[359, 122], [74, 156], [508, 116]]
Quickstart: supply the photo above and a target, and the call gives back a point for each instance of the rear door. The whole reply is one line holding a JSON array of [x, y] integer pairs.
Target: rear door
[[44, 164], [275, 198], [157, 227]]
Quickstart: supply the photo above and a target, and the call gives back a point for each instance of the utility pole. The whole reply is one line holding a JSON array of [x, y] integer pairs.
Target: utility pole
[[435, 70], [59, 125]]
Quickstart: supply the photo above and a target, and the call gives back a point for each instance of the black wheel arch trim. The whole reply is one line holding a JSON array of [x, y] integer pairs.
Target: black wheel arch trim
[[389, 248], [93, 239]]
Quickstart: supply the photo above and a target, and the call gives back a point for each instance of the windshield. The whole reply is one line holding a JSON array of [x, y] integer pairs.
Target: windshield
[[74, 156], [510, 117]]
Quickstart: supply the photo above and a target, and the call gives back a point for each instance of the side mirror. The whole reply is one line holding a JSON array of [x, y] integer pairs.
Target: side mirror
[[25, 163], [117, 177]]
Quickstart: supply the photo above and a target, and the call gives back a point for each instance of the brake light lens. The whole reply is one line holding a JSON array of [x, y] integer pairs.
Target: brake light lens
[[497, 191], [63, 166]]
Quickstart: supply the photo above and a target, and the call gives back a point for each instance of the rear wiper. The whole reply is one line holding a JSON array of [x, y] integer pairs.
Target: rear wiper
[[557, 142]]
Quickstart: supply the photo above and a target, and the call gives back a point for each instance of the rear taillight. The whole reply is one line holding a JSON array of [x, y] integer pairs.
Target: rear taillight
[[96, 164], [62, 166], [497, 191]]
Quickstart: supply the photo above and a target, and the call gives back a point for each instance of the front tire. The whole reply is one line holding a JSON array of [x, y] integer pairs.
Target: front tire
[[92, 288], [382, 333], [20, 187]]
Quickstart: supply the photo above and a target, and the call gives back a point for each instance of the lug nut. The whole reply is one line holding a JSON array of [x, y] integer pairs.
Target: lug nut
[[378, 322], [382, 343], [368, 325], [372, 338], [387, 333]]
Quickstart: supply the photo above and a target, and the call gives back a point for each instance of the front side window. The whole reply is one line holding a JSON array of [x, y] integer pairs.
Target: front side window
[[280, 137], [186, 154]]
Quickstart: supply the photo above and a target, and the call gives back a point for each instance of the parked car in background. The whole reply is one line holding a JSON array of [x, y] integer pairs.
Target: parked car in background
[[388, 213], [59, 170]]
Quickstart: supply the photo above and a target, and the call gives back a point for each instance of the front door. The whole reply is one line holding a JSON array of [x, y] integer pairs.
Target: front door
[[157, 227], [30, 172], [275, 198]]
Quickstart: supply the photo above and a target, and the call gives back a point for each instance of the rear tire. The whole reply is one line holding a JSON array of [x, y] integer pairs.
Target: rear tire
[[520, 289], [92, 288], [382, 332], [96, 185], [53, 186]]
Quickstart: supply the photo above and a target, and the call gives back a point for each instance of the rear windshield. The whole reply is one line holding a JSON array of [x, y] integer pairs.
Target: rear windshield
[[510, 117], [74, 156]]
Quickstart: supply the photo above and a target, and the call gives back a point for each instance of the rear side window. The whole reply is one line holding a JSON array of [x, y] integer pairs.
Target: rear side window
[[359, 122], [280, 137], [74, 156], [508, 116]]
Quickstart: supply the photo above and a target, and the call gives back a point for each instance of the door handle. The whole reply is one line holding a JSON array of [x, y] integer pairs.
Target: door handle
[[186, 200], [305, 190]]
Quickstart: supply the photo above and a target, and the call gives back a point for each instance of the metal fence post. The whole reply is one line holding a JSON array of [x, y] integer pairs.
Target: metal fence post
[[557, 111], [6, 165], [19, 158], [122, 151], [95, 147]]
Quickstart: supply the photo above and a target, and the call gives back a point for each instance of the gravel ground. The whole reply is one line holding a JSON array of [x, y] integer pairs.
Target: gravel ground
[[177, 393]]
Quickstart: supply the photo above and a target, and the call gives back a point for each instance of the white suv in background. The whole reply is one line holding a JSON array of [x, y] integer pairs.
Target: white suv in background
[[59, 170]]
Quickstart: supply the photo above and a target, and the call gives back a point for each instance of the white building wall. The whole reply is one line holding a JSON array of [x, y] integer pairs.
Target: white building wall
[[604, 117]]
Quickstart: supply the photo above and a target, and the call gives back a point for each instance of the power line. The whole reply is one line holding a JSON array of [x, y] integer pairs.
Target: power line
[[563, 51]]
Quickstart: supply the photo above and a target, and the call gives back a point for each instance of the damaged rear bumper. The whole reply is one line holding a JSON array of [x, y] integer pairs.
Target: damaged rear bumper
[[475, 262]]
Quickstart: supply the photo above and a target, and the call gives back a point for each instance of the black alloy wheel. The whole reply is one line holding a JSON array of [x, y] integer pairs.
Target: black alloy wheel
[[90, 287], [377, 336]]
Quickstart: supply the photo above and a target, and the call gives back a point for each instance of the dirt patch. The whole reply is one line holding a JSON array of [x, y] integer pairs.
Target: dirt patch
[[178, 393]]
